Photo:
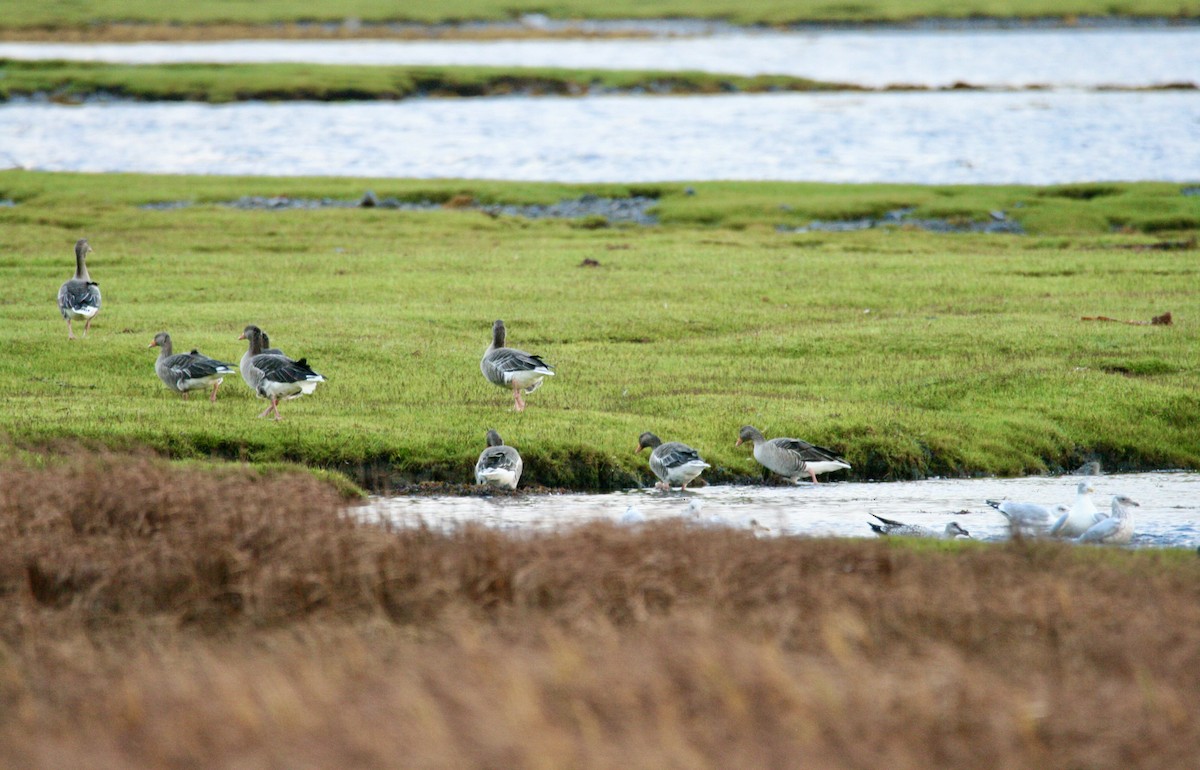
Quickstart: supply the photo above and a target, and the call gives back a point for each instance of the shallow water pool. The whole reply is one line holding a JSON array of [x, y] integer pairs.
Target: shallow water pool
[[1169, 514]]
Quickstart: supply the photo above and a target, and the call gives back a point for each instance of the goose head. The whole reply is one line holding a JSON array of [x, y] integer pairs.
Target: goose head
[[647, 440]]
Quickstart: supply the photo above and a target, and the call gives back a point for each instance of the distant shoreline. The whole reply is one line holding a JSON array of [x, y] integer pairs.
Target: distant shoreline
[[534, 26]]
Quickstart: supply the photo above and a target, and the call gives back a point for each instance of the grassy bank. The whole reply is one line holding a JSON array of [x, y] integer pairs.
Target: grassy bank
[[149, 622], [912, 353], [90, 16], [68, 81]]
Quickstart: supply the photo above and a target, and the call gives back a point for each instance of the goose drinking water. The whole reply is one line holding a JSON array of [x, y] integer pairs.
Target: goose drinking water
[[499, 465], [673, 462]]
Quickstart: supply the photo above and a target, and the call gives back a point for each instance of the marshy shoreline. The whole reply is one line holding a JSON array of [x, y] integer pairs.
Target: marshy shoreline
[[149, 622]]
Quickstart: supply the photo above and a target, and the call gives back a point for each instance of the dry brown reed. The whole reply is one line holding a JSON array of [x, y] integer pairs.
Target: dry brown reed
[[163, 617]]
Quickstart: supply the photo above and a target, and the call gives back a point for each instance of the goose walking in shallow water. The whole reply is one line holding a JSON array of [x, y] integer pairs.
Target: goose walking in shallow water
[[499, 465], [79, 297], [673, 462], [511, 368], [185, 372], [274, 376], [791, 457], [897, 528]]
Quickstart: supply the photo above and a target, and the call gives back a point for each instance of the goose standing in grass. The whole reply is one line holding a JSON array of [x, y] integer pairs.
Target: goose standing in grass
[[673, 462], [1081, 516], [185, 372], [791, 457], [273, 375], [244, 365], [1116, 529], [79, 297], [499, 465], [897, 528], [512, 368]]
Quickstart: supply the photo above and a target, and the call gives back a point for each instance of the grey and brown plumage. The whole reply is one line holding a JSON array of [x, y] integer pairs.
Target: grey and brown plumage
[[185, 372], [244, 365], [673, 462], [791, 458], [499, 465], [274, 376], [1116, 529], [79, 297], [511, 368], [894, 528]]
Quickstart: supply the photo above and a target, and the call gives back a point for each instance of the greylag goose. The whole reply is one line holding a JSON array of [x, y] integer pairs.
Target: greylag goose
[[889, 527], [673, 462], [1081, 516], [244, 365], [499, 465], [185, 372], [512, 368], [1116, 529], [79, 297], [791, 457], [273, 375]]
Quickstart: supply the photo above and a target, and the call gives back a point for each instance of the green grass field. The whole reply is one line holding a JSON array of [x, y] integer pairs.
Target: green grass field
[[69, 13], [910, 352], [228, 83]]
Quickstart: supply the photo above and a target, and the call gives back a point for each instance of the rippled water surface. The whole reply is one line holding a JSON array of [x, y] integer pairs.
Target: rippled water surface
[[936, 138], [1169, 514], [1054, 57]]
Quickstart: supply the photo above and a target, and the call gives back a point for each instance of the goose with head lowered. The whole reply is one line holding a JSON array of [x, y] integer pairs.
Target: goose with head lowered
[[499, 465], [185, 372], [673, 462], [79, 297], [791, 457], [511, 368], [274, 376]]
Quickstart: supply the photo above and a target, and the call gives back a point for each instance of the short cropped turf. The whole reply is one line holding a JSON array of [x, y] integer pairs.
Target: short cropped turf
[[912, 353]]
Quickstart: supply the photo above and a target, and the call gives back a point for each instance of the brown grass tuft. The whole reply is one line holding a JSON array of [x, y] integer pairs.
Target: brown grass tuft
[[172, 618]]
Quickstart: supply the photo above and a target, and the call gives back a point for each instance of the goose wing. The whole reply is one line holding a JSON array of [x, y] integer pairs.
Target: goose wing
[[194, 365], [507, 360], [808, 452], [77, 295], [502, 457], [278, 368], [674, 454]]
